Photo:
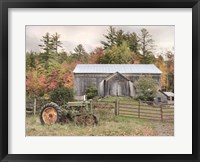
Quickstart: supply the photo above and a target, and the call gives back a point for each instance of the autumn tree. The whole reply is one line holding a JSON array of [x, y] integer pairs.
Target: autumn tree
[[35, 83], [63, 56], [160, 63], [170, 71], [30, 60], [96, 56]]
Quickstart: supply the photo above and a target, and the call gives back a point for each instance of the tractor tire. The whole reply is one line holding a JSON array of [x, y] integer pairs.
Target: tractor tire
[[86, 120], [90, 120], [50, 113], [95, 120]]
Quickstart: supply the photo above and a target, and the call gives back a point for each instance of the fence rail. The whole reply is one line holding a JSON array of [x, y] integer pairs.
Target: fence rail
[[104, 104], [143, 110], [34, 104], [146, 110], [31, 107]]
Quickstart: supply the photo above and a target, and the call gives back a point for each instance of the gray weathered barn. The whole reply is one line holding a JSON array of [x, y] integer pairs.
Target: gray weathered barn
[[112, 79]]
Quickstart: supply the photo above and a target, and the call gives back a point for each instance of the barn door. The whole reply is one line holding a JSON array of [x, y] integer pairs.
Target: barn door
[[117, 85], [119, 89], [113, 89], [116, 89]]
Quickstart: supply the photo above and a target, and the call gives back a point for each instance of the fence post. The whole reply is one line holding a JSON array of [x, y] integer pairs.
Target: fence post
[[161, 112], [91, 105], [116, 108], [34, 106], [139, 109]]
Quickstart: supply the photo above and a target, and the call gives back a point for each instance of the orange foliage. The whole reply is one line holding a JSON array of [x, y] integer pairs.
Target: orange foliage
[[40, 81], [162, 66], [96, 56]]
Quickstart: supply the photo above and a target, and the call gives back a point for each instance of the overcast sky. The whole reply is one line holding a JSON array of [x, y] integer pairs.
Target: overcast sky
[[90, 36]]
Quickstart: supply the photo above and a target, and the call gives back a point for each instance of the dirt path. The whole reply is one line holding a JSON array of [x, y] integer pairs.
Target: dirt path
[[164, 129]]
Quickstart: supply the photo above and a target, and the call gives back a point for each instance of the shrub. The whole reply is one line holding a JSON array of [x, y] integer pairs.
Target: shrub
[[61, 95], [146, 88], [91, 91]]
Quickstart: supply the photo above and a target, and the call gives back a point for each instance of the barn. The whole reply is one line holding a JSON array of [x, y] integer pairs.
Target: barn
[[112, 79]]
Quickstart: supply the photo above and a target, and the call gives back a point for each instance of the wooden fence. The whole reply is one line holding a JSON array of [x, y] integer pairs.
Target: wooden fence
[[145, 110], [31, 106], [104, 104]]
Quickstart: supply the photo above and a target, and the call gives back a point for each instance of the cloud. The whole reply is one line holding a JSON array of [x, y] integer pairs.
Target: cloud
[[90, 36]]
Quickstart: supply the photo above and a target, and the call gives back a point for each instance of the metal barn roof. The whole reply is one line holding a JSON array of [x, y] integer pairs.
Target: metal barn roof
[[169, 93], [113, 68]]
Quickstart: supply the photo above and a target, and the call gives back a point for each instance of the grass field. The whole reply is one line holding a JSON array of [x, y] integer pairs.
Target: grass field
[[112, 126], [109, 125]]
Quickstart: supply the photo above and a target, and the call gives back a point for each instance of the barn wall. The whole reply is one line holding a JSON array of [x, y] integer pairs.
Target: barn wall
[[117, 86], [101, 88], [82, 81], [132, 89]]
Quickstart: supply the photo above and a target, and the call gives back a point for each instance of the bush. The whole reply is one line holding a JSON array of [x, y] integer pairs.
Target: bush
[[146, 88], [61, 95], [91, 91]]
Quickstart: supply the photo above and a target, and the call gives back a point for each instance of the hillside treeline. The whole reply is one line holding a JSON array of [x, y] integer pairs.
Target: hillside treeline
[[53, 67]]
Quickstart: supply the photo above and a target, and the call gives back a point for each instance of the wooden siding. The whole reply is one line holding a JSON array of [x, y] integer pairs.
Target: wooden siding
[[114, 86]]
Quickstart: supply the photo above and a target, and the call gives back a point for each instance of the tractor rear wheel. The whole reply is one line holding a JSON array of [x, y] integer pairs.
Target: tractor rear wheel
[[86, 120], [50, 113], [91, 120]]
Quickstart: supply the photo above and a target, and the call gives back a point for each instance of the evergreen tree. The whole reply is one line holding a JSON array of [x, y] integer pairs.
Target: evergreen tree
[[118, 55], [30, 60], [146, 44], [79, 51], [47, 47], [117, 37], [56, 42], [110, 38]]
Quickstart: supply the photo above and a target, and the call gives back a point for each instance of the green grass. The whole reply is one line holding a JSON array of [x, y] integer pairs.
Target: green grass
[[109, 125], [115, 126], [145, 109], [110, 98]]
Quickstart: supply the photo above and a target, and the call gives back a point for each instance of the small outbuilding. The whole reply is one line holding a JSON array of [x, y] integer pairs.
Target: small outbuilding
[[165, 97], [170, 97], [112, 79]]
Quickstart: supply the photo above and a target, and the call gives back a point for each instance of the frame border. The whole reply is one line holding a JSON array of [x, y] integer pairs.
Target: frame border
[[6, 4]]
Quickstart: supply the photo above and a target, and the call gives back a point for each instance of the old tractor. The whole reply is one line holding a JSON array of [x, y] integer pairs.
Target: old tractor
[[79, 112]]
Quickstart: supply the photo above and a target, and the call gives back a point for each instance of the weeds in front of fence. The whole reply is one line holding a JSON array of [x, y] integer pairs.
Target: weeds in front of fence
[[109, 124]]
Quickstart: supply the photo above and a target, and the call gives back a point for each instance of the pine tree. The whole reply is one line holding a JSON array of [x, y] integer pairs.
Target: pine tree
[[146, 44], [56, 42], [47, 47]]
